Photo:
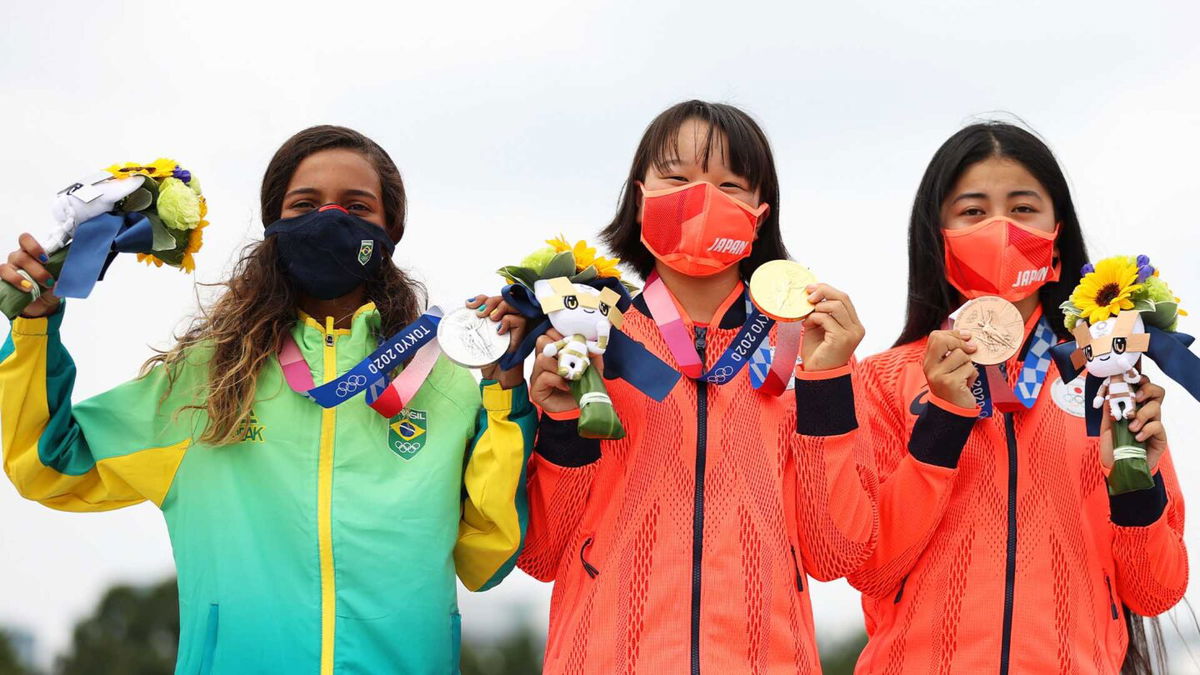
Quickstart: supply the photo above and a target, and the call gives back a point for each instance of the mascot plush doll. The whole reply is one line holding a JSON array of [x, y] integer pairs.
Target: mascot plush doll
[[581, 295], [1120, 312]]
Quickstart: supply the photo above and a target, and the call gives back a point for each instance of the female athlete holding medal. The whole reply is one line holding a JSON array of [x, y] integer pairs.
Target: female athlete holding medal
[[308, 538], [999, 547], [686, 545]]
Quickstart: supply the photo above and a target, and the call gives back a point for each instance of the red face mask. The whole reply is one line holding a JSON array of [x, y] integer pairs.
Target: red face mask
[[1000, 257], [696, 229]]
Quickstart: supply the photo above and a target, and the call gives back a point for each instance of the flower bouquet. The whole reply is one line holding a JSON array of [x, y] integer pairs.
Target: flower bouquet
[[155, 210], [1113, 313]]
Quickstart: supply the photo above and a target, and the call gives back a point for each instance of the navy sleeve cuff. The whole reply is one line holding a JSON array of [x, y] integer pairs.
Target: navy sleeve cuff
[[559, 442], [825, 407], [938, 436], [1140, 507]]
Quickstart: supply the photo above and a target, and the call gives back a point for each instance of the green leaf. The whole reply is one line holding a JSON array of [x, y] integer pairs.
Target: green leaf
[[585, 276], [1163, 316], [163, 240], [151, 186], [561, 265], [139, 200], [1143, 305], [518, 275]]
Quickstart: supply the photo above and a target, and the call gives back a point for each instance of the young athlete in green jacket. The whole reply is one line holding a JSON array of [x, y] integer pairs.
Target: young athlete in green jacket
[[307, 539]]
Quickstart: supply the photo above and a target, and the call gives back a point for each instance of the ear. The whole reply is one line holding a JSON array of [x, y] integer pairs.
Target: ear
[[762, 218]]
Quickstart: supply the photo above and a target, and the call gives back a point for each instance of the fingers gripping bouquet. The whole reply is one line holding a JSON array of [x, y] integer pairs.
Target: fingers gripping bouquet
[[582, 297], [1120, 311], [155, 210]]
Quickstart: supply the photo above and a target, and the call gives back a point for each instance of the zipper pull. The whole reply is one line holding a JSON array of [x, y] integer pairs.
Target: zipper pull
[[329, 331], [587, 566], [701, 342]]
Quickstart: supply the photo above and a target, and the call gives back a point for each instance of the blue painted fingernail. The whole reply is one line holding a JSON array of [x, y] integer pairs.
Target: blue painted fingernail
[[481, 308], [44, 258], [49, 282]]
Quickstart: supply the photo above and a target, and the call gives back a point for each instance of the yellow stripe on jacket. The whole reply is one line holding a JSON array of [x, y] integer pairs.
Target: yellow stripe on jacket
[[46, 451], [495, 511]]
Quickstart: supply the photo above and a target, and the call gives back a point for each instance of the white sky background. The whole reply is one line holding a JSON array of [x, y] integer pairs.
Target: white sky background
[[514, 122]]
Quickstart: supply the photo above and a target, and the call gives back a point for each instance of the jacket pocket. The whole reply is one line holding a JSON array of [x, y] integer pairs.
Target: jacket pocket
[[591, 570], [210, 640]]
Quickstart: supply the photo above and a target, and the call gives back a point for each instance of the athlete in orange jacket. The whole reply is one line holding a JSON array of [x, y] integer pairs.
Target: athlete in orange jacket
[[685, 546], [999, 547]]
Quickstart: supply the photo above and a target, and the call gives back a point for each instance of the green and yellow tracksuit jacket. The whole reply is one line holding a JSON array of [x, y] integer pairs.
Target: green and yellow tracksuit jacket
[[325, 540]]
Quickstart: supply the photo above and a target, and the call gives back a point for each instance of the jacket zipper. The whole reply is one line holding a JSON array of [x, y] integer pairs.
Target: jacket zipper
[[1112, 603], [698, 516], [587, 566], [325, 508], [799, 576], [1010, 562], [900, 593]]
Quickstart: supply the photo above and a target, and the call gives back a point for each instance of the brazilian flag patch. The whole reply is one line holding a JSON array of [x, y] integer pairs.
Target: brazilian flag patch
[[407, 432], [365, 247]]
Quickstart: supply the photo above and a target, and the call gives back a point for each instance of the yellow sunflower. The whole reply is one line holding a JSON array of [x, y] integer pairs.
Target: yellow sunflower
[[559, 244], [585, 257], [1105, 291], [607, 267], [159, 168], [195, 241]]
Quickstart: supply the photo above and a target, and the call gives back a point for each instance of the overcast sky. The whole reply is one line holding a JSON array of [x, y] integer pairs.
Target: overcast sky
[[512, 122]]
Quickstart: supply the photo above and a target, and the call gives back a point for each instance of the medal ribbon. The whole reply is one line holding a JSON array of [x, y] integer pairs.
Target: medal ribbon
[[744, 346], [370, 374], [991, 389]]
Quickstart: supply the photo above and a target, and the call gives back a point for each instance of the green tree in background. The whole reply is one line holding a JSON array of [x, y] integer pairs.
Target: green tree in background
[[134, 631], [518, 653], [839, 656], [9, 664]]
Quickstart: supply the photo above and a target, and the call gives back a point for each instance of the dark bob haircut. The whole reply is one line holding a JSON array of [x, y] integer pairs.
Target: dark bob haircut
[[931, 298], [731, 132]]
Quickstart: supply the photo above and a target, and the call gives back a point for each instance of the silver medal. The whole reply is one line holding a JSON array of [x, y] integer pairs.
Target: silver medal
[[470, 340]]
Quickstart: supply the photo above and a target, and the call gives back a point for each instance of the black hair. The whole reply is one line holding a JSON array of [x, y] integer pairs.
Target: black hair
[[730, 131], [931, 298]]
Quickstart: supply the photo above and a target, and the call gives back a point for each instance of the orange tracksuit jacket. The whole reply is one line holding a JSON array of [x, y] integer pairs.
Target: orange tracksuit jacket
[[1009, 557], [684, 547]]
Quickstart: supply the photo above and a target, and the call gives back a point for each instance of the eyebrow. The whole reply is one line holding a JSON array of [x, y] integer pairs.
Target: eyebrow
[[980, 195], [352, 191]]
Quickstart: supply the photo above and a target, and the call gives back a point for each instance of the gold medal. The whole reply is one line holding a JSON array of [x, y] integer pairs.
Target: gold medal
[[996, 327], [777, 288]]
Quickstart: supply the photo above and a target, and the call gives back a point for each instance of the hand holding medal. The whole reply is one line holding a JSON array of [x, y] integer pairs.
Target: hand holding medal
[[480, 334], [790, 293]]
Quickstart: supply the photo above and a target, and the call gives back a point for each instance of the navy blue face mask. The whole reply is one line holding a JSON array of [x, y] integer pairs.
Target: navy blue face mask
[[327, 252]]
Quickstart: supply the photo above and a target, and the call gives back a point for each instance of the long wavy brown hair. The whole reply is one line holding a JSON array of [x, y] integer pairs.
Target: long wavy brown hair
[[244, 327]]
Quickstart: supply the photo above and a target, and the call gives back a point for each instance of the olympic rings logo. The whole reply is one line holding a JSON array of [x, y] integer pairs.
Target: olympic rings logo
[[720, 376], [350, 385], [405, 447]]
